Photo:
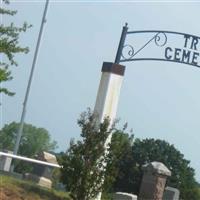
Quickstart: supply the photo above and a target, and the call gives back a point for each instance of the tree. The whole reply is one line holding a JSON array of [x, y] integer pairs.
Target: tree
[[84, 162], [148, 150], [9, 46], [120, 150], [33, 141]]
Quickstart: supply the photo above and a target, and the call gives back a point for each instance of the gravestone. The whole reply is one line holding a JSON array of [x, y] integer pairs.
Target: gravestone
[[154, 180], [124, 196], [5, 161], [171, 193], [42, 174]]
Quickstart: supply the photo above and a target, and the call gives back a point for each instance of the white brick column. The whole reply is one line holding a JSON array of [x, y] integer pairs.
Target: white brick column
[[108, 95]]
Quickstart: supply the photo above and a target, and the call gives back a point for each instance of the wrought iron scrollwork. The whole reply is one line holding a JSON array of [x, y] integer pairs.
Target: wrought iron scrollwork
[[160, 39], [128, 52]]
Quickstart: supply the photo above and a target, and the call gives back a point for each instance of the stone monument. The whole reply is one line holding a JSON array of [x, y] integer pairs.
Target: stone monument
[[154, 180], [42, 174], [5, 161], [171, 193]]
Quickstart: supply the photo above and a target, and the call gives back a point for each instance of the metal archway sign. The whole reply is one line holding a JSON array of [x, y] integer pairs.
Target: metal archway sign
[[158, 45]]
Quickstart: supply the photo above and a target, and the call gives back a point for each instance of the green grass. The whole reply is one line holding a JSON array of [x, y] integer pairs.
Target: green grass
[[14, 189]]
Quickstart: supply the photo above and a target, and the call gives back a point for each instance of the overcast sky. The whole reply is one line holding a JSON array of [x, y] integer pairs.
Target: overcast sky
[[158, 99]]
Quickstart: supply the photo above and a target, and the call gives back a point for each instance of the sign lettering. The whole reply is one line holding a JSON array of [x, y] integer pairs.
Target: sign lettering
[[189, 54], [183, 49]]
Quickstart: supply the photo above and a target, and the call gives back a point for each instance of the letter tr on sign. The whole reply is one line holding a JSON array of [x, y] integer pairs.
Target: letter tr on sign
[[159, 46]]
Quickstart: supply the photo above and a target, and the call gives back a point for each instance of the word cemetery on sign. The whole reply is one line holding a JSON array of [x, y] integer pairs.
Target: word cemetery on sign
[[158, 46], [187, 54]]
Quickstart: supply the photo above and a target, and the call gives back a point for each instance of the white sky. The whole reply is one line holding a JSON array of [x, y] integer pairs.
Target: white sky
[[158, 99]]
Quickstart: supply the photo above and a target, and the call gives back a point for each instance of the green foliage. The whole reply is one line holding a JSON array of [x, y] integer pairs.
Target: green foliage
[[148, 150], [107, 196], [9, 46], [56, 175], [120, 148], [33, 141], [124, 162], [158, 150], [83, 163]]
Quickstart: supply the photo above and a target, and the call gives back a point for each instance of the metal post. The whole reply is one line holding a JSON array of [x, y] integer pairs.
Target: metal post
[[20, 130], [121, 44]]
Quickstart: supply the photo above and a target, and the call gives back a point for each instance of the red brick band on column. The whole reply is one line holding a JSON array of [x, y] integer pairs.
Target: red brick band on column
[[113, 68]]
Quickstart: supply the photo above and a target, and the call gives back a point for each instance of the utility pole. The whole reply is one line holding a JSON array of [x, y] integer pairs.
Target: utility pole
[[20, 130]]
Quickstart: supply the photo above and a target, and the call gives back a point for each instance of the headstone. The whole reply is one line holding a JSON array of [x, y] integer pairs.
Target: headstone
[[154, 180], [43, 170], [42, 174], [124, 196], [5, 161], [171, 193]]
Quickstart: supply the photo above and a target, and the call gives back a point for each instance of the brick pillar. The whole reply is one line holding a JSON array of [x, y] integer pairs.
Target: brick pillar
[[108, 96], [153, 181]]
